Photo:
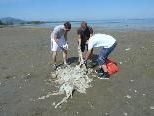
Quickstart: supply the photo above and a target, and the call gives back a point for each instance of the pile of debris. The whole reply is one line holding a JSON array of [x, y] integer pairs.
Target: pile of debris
[[69, 79]]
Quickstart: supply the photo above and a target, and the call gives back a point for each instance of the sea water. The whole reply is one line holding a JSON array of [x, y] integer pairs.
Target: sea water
[[141, 24]]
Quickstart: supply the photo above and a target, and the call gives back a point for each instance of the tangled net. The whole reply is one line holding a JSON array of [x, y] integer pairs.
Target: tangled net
[[70, 79]]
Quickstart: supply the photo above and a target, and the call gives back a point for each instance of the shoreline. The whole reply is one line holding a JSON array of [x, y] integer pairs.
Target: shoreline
[[96, 28]]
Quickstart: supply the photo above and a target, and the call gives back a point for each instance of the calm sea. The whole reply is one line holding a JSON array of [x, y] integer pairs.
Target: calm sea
[[141, 24]]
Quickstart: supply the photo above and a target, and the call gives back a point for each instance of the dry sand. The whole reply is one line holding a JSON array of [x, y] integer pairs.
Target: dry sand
[[25, 76]]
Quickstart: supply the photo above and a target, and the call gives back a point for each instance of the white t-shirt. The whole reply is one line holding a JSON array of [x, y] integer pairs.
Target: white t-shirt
[[58, 32], [100, 40]]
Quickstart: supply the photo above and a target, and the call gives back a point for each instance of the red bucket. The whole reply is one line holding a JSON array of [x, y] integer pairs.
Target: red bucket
[[112, 66]]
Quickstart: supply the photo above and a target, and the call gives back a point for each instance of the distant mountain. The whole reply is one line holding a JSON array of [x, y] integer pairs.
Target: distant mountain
[[11, 21]]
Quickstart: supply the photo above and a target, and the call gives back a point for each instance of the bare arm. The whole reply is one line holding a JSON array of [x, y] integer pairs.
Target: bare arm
[[88, 55], [79, 40], [91, 31], [91, 34], [65, 36], [56, 39]]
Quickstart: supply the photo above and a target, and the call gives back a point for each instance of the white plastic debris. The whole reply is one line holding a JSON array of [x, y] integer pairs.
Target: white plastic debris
[[28, 74], [152, 107], [143, 94], [131, 80], [44, 97], [125, 113], [106, 114], [70, 79], [127, 49], [53, 75], [128, 96], [53, 104], [120, 62], [135, 91]]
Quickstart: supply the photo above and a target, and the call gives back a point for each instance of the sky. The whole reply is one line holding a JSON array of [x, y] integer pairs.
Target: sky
[[76, 9]]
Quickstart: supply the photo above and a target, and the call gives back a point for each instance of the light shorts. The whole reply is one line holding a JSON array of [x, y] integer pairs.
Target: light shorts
[[61, 42]]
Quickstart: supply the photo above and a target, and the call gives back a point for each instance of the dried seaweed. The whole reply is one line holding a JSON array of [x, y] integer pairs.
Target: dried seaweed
[[70, 79]]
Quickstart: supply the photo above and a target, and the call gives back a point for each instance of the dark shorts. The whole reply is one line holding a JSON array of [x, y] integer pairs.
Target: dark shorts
[[104, 53]]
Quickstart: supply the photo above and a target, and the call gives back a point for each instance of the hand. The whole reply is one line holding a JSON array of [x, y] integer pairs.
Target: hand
[[56, 40], [84, 62], [61, 48], [65, 46], [87, 41]]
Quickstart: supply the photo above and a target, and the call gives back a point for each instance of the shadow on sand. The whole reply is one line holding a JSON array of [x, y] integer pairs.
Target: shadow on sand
[[74, 61]]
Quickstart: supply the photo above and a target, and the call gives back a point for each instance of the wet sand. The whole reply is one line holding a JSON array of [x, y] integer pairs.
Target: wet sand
[[25, 76]]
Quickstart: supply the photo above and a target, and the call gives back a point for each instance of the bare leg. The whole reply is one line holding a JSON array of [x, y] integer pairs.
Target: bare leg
[[65, 56], [54, 54], [80, 53], [91, 56], [50, 57], [104, 68]]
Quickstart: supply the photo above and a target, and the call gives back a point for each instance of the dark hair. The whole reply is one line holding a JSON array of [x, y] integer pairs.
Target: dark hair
[[83, 24], [67, 25]]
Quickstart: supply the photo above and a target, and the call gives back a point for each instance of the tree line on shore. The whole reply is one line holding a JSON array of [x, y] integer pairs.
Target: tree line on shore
[[13, 21]]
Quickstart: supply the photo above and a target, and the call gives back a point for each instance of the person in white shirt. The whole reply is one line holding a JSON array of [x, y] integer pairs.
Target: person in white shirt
[[107, 44], [59, 42]]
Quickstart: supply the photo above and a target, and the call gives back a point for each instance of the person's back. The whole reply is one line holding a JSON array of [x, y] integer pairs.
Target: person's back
[[58, 31], [101, 40], [107, 44]]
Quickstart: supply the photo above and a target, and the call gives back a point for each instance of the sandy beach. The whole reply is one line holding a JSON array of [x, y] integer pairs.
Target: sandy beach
[[25, 76]]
